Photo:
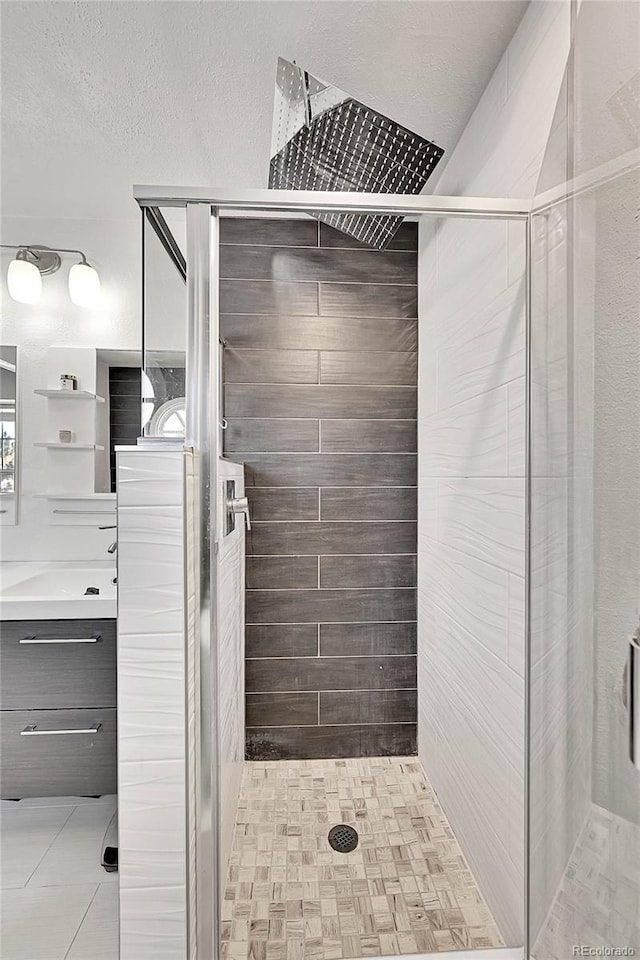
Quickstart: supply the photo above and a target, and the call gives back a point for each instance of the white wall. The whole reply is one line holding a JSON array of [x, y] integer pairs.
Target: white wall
[[157, 601], [114, 248], [151, 705], [471, 494]]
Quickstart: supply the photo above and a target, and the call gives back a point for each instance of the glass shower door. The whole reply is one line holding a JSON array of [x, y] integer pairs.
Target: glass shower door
[[584, 534]]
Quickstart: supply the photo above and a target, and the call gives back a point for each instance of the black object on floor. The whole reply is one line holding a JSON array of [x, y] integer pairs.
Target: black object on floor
[[343, 838], [110, 859]]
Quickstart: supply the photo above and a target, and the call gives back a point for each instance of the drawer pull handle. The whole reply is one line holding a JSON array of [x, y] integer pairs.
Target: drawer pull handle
[[61, 639], [86, 513], [32, 731]]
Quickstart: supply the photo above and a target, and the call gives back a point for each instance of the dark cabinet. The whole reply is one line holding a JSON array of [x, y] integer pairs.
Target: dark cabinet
[[58, 708]]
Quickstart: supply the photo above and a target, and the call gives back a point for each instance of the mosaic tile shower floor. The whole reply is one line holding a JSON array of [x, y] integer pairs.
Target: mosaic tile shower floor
[[406, 888]]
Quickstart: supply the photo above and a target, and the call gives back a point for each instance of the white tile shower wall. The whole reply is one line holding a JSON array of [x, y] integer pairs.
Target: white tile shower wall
[[230, 662], [151, 705], [151, 694], [471, 469]]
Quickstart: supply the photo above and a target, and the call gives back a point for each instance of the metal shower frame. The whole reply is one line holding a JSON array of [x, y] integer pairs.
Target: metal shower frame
[[202, 443]]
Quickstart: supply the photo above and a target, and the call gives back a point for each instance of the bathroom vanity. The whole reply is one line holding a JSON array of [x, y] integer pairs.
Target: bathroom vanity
[[57, 682], [58, 696]]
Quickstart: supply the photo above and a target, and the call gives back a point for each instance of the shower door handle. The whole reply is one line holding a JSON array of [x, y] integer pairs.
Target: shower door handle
[[633, 698], [240, 505]]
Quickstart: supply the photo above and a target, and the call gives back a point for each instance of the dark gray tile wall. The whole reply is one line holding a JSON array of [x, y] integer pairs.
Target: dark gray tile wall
[[320, 398], [124, 412]]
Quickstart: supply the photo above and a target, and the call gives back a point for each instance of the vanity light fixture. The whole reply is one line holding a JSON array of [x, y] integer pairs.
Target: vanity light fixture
[[32, 262], [24, 279], [84, 285]]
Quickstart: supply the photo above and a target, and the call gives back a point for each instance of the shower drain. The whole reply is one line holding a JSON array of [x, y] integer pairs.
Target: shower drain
[[343, 838]]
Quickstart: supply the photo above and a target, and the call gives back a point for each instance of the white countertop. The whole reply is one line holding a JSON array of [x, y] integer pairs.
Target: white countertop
[[56, 591]]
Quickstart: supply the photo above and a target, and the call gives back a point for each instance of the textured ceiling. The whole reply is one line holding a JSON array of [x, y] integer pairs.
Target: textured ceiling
[[99, 95]]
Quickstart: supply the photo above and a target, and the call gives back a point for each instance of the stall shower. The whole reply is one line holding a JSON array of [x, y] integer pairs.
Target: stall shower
[[331, 840], [398, 547], [320, 407]]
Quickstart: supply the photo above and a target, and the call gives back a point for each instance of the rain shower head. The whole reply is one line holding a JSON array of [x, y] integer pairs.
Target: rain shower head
[[323, 139]]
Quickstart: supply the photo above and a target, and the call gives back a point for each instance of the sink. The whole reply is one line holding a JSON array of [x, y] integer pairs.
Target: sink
[[67, 583], [43, 591]]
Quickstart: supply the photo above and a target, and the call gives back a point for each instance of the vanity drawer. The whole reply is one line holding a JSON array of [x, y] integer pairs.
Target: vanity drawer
[[46, 664], [44, 761]]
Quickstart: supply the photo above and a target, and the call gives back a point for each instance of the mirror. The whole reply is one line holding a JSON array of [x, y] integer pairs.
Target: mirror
[[169, 420], [8, 426], [152, 401], [120, 379], [165, 310]]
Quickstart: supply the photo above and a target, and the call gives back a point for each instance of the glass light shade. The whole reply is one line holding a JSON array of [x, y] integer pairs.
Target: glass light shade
[[84, 285], [24, 281]]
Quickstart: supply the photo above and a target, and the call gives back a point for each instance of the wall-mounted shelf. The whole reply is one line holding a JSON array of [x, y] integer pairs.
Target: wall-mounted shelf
[[68, 446], [81, 474], [70, 395]]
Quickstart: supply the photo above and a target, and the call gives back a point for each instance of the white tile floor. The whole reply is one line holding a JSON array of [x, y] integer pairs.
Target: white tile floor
[[57, 903]]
